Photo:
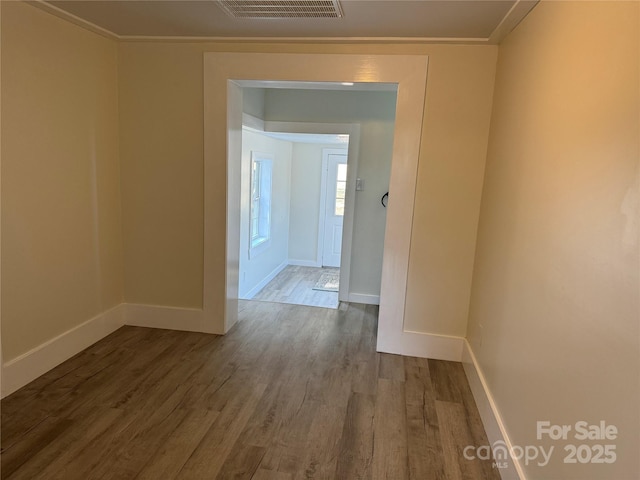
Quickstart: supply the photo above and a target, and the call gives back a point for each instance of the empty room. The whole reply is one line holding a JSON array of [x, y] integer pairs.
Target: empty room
[[337, 239]]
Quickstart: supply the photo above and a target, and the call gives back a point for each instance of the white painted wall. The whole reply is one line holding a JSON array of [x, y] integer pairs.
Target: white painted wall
[[258, 269], [306, 176], [375, 111], [253, 101]]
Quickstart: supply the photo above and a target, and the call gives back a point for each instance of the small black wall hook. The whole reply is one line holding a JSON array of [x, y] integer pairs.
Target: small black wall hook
[[382, 200]]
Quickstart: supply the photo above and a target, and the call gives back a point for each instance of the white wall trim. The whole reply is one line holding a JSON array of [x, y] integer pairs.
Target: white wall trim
[[489, 413], [520, 9], [222, 141], [69, 17], [513, 17], [294, 40], [305, 263], [322, 217], [428, 345], [170, 318], [18, 372], [263, 283], [364, 298]]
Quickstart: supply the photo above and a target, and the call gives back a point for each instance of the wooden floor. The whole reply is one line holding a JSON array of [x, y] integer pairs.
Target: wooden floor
[[290, 393], [295, 285]]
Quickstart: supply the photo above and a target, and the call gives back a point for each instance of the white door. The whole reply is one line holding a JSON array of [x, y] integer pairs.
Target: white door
[[336, 186]]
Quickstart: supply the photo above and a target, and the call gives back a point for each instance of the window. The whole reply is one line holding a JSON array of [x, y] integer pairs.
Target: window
[[341, 188], [260, 202]]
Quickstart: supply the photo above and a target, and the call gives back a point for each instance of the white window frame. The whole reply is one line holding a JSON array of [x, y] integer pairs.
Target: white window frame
[[260, 240]]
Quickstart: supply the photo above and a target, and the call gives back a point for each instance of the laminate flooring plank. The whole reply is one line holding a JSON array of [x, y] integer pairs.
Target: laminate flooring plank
[[369, 331], [352, 320], [169, 459], [97, 458], [322, 448], [367, 360], [455, 437], [105, 454], [281, 357], [62, 397], [356, 444], [447, 415], [135, 449], [61, 379], [32, 443], [242, 463], [338, 379], [127, 371], [135, 384], [211, 453], [444, 377], [391, 367], [472, 415], [286, 453], [266, 419], [365, 377], [419, 390], [60, 454], [423, 433], [390, 453], [262, 474]]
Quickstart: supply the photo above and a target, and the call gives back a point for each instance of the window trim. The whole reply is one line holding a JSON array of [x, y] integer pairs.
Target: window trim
[[261, 242]]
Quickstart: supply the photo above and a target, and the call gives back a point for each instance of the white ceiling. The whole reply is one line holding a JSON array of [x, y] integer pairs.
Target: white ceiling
[[318, 138], [402, 20]]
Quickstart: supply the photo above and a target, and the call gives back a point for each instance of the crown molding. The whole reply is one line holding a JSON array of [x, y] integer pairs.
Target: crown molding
[[80, 22], [302, 40], [513, 17]]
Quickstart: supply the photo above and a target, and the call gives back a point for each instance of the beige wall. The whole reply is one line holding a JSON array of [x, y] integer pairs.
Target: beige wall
[[161, 153], [554, 317], [162, 160], [61, 232]]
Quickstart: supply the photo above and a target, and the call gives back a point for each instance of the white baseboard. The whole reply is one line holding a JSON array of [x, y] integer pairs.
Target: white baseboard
[[263, 283], [305, 263], [170, 318], [364, 298], [18, 372], [423, 345], [491, 419]]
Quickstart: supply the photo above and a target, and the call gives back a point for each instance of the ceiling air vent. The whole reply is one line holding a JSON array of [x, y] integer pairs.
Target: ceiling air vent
[[282, 8]]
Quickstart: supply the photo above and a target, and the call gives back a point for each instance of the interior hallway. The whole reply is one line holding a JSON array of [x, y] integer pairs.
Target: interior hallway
[[276, 398]]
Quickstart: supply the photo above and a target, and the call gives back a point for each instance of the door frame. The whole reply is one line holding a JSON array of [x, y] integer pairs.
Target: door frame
[[223, 74], [347, 220]]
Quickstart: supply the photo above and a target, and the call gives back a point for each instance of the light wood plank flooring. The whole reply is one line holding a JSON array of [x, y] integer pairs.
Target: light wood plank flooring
[[275, 399], [295, 285]]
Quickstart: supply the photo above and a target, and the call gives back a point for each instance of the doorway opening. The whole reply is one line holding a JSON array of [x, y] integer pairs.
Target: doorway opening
[[296, 184], [331, 148], [225, 74]]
